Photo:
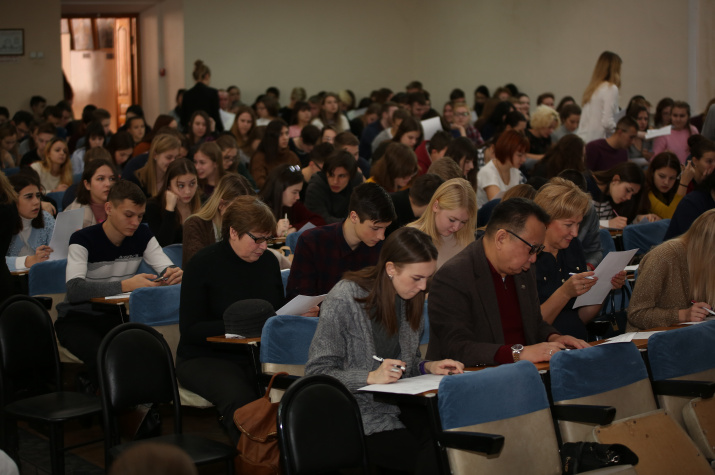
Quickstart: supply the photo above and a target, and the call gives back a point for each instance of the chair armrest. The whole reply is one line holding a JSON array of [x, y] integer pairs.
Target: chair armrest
[[600, 415], [673, 387], [488, 444]]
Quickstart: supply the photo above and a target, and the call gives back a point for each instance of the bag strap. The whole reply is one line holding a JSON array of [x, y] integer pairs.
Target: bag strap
[[270, 385]]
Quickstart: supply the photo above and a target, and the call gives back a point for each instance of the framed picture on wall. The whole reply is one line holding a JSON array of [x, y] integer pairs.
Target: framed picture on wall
[[12, 42]]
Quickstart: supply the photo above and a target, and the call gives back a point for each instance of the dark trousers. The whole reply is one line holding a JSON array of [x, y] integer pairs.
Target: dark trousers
[[226, 383], [82, 333], [411, 450]]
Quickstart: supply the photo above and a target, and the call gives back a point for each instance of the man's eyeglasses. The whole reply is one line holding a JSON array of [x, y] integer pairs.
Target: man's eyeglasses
[[533, 248], [294, 168], [262, 239]]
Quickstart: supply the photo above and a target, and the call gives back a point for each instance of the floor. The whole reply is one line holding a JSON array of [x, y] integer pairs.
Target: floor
[[89, 459]]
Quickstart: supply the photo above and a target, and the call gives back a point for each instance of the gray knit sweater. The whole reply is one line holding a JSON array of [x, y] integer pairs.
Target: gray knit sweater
[[343, 347]]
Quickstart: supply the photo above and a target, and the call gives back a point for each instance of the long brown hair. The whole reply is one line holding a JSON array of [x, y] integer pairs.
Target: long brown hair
[[698, 243], [607, 69], [404, 246]]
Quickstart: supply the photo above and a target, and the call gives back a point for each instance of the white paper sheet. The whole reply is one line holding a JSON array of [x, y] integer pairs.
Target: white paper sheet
[[125, 295], [306, 227], [626, 337], [431, 127], [632, 268], [355, 113], [612, 264], [300, 304], [652, 133], [67, 222], [416, 385]]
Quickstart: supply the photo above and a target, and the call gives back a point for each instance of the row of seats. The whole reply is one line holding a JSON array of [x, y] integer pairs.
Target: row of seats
[[588, 389], [636, 236]]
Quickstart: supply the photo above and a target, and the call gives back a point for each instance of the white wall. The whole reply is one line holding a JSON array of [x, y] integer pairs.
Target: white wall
[[545, 45], [161, 40]]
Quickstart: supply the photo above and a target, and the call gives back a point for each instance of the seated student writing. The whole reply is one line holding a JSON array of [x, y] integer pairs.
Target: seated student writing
[[32, 227], [282, 194], [377, 311], [676, 280], [324, 254], [179, 199], [102, 260], [329, 190]]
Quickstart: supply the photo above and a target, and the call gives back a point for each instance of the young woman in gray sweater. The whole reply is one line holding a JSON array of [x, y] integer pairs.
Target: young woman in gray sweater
[[377, 312]]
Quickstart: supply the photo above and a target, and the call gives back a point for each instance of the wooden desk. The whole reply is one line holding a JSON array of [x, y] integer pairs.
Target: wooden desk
[[20, 272], [119, 304], [234, 341], [106, 301]]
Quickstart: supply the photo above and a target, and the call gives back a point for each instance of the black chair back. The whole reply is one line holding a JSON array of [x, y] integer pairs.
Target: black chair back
[[320, 427], [135, 367], [29, 362]]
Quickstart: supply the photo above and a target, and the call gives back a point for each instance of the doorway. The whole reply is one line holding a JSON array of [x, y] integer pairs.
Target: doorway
[[99, 59]]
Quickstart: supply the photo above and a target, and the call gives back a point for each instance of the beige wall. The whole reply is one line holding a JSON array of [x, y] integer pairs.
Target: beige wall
[[324, 45], [161, 36], [22, 77], [544, 45]]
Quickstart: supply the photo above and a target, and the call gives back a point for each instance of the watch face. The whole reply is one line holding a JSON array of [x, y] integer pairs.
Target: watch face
[[517, 348]]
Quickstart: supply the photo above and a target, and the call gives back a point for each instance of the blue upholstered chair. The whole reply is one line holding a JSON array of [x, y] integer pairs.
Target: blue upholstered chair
[[509, 400], [682, 364], [284, 276], [604, 375], [57, 196], [292, 240], [424, 339], [644, 236], [11, 171], [285, 341], [155, 306], [615, 375], [606, 241], [158, 307], [173, 251]]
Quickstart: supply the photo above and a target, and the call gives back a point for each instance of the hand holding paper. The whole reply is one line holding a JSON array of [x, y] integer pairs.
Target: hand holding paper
[[612, 264]]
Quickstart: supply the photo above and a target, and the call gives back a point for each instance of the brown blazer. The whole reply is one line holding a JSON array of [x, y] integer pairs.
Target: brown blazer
[[464, 313]]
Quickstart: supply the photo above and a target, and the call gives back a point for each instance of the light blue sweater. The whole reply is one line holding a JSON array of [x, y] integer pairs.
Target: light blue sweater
[[38, 237]]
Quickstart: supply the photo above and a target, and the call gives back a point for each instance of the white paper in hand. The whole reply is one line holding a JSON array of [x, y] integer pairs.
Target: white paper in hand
[[300, 305], [67, 222], [431, 127], [612, 264]]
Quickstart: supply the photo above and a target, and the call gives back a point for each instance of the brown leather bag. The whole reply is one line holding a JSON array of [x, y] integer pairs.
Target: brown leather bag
[[258, 452]]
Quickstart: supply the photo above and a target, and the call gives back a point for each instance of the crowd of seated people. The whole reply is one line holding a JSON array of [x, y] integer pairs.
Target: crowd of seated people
[[379, 211]]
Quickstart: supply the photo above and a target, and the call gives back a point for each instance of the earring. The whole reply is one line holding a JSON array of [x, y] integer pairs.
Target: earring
[[390, 276]]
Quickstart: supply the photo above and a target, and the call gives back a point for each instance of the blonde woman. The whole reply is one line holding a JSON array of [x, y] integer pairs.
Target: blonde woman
[[204, 227], [55, 169], [450, 218], [672, 276], [164, 150], [600, 99], [544, 121], [563, 256]]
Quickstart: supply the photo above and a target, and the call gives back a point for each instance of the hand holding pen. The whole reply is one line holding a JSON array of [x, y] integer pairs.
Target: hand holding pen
[[579, 284], [389, 371], [697, 313]]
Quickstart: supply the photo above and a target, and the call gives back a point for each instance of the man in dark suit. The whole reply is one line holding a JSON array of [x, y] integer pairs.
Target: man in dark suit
[[483, 303]]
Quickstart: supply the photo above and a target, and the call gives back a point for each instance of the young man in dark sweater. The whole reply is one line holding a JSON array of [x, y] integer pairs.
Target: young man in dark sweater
[[102, 260]]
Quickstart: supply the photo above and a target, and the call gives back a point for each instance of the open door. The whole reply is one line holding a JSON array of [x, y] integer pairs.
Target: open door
[[99, 61]]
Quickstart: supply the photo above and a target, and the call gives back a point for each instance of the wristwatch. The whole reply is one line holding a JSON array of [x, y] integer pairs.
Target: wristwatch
[[516, 352]]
